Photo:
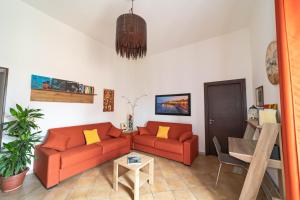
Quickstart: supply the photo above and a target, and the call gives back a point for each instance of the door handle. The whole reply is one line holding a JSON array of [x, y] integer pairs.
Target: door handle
[[211, 121]]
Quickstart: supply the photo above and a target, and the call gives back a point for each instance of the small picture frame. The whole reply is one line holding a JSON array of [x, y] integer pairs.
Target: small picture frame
[[259, 94]]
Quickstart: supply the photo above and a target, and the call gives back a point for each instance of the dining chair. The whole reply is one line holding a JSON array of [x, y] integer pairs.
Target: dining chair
[[225, 158]]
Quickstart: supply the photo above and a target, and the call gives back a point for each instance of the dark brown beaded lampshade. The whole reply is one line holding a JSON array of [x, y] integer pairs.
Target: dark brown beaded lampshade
[[131, 36]]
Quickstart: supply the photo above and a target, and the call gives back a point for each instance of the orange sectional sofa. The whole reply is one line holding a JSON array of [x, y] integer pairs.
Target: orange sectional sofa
[[52, 166], [181, 145]]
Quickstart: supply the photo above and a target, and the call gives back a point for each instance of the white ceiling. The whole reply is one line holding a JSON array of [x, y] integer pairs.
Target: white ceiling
[[170, 23]]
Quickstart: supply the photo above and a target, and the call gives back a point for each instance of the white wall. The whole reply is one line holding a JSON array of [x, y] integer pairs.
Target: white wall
[[186, 69], [33, 43], [262, 32]]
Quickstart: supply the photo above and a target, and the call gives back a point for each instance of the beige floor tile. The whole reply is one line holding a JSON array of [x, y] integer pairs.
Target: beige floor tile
[[92, 172], [122, 193], [57, 194], [183, 195], [159, 185], [169, 172], [146, 196], [172, 180], [164, 196], [85, 182], [203, 193], [175, 183], [78, 194], [96, 193]]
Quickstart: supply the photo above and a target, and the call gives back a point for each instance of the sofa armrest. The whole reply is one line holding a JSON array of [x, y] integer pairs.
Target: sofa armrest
[[47, 165], [190, 150]]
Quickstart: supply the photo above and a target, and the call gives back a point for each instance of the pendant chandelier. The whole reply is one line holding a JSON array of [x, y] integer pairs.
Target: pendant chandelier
[[131, 35]]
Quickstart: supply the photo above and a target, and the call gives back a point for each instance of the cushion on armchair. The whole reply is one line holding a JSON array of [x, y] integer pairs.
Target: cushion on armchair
[[115, 132], [91, 136], [185, 136], [57, 142], [143, 131], [163, 132]]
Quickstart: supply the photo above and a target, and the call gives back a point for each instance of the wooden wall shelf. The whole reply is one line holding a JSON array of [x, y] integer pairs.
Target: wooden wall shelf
[[59, 96]]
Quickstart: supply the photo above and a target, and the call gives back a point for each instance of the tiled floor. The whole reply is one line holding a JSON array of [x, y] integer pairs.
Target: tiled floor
[[172, 181]]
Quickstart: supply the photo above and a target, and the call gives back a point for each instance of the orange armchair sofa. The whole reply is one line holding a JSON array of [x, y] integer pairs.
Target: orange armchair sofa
[[52, 166], [177, 147]]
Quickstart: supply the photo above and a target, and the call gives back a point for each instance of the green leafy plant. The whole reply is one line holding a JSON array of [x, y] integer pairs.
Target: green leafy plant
[[17, 154]]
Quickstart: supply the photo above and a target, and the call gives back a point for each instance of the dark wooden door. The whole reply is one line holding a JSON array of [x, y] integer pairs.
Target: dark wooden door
[[225, 112]]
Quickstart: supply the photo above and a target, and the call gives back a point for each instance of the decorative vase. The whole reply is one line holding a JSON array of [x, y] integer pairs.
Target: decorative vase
[[12, 183], [130, 122]]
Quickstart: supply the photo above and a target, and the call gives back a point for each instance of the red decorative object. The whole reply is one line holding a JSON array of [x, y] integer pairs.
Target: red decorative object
[[131, 36]]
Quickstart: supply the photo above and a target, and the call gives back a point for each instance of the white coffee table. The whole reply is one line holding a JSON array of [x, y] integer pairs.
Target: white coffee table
[[134, 178]]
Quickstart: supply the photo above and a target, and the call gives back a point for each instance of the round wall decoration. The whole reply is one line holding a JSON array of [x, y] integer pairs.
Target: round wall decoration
[[272, 63]]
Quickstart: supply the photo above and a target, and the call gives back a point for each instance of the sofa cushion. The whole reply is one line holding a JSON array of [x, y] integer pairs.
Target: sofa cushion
[[176, 129], [185, 136], [163, 132], [76, 133], [58, 142], [170, 145], [114, 132], [147, 140], [79, 154], [91, 136], [143, 131], [113, 144]]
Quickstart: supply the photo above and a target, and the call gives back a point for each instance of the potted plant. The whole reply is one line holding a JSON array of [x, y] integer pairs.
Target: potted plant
[[16, 156]]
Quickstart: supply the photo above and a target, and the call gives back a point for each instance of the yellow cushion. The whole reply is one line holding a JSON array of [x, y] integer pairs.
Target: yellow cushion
[[267, 116], [91, 136], [163, 132]]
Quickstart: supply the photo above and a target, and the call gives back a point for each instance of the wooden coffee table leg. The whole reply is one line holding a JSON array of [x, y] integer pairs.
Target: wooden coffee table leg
[[137, 185], [151, 172], [116, 177]]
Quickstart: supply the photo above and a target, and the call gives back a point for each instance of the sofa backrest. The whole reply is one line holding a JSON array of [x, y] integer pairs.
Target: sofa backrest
[[176, 129], [76, 132]]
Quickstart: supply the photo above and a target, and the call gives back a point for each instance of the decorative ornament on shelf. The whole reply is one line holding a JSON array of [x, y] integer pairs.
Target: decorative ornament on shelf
[[253, 113], [272, 63], [133, 104], [131, 35], [130, 122]]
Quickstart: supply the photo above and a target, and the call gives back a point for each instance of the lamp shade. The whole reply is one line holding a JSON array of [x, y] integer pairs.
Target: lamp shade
[[131, 36]]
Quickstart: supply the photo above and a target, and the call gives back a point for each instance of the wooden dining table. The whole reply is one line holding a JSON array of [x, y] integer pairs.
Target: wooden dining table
[[243, 149]]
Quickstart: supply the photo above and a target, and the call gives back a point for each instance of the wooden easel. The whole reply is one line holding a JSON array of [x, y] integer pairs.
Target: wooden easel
[[266, 135]]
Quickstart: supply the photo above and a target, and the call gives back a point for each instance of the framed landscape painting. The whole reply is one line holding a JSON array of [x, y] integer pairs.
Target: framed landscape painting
[[173, 104]]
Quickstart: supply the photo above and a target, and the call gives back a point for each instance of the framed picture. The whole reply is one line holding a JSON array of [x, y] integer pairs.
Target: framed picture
[[173, 104], [72, 86], [259, 93], [108, 100], [40, 82], [59, 84]]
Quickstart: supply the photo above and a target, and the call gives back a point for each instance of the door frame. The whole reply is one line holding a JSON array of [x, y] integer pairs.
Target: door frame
[[4, 103], [242, 82]]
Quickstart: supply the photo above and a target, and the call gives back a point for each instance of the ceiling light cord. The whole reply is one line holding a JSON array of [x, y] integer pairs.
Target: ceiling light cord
[[131, 9]]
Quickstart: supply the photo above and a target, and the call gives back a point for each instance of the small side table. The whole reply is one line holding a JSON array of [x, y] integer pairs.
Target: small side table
[[130, 133], [134, 178]]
